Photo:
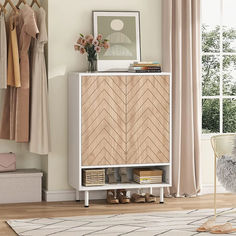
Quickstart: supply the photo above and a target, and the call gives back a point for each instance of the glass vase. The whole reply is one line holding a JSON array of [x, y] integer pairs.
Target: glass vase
[[92, 65]]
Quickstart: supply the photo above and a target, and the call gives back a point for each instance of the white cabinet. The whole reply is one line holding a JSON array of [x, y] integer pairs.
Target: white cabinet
[[119, 120]]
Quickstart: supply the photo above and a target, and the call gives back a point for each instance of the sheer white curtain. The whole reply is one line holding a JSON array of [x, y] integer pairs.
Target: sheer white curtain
[[181, 56]]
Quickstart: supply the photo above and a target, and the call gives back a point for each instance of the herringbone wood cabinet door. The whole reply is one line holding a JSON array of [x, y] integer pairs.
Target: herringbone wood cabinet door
[[125, 120], [148, 119], [103, 120]]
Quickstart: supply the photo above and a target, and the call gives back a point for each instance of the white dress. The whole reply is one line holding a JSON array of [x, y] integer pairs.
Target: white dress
[[39, 125], [3, 52]]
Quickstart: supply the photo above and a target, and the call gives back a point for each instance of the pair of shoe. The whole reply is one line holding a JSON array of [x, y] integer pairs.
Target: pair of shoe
[[123, 172], [118, 196], [211, 227], [140, 198]]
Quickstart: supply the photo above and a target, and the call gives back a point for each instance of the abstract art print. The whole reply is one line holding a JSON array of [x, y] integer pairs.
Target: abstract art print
[[122, 29]]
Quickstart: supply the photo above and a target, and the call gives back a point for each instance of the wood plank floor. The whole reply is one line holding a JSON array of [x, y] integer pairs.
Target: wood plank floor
[[64, 209]]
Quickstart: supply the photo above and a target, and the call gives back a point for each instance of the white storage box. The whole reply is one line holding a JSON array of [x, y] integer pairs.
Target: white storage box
[[21, 186]]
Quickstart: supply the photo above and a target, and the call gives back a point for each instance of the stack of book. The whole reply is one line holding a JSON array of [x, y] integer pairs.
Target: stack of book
[[145, 67], [147, 176]]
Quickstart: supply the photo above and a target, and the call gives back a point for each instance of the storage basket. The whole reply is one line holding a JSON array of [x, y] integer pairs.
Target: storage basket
[[94, 177]]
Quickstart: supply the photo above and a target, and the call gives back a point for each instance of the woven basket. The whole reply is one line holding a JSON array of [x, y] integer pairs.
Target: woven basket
[[95, 177]]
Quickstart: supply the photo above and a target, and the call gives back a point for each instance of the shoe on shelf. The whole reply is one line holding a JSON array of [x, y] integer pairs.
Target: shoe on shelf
[[111, 197], [111, 176], [138, 198], [122, 196], [123, 171], [150, 198]]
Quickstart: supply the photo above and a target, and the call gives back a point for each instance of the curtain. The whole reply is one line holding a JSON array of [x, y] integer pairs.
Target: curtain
[[181, 44]]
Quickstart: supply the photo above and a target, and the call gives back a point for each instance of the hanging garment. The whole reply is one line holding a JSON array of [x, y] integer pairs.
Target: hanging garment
[[26, 30], [13, 69], [3, 53], [8, 112], [39, 128], [15, 121]]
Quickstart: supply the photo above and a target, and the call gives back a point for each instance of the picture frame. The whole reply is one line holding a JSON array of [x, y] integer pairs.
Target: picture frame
[[122, 29]]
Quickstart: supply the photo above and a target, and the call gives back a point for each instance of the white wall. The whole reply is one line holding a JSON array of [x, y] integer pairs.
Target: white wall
[[65, 24]]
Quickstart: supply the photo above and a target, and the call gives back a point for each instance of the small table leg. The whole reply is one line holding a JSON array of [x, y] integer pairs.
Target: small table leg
[[77, 198], [150, 190], [161, 195], [86, 199]]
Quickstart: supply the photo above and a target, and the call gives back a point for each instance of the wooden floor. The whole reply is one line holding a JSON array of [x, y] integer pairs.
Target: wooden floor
[[63, 209]]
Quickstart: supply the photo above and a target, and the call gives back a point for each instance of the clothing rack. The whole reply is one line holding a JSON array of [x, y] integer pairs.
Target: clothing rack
[[15, 8]]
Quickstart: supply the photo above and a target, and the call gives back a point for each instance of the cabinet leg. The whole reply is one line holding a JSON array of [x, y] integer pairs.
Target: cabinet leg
[[161, 195], [150, 190], [86, 199], [77, 196]]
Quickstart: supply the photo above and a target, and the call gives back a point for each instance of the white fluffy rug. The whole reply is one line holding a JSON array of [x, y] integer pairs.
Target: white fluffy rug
[[179, 223]]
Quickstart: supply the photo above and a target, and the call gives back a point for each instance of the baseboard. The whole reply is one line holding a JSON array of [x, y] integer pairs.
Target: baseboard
[[209, 189], [69, 195], [58, 196]]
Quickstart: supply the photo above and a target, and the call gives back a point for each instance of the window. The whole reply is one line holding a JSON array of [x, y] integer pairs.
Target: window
[[218, 66]]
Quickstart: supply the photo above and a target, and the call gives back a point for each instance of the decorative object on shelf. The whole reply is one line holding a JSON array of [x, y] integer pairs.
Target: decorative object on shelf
[[111, 197], [122, 195], [138, 198], [147, 176], [94, 177], [123, 171], [7, 162], [145, 67], [111, 176], [122, 29], [92, 46]]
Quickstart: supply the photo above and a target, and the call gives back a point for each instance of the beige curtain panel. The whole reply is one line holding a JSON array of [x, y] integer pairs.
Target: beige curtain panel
[[181, 56]]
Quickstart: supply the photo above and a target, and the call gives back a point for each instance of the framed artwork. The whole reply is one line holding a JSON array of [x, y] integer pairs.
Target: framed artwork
[[122, 29]]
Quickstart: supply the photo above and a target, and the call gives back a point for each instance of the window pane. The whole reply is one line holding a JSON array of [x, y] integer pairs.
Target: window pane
[[210, 26], [229, 26], [229, 115], [210, 116], [229, 75], [210, 75]]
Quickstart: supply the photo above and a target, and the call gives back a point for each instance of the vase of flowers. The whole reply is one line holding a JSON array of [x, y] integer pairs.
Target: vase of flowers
[[92, 46]]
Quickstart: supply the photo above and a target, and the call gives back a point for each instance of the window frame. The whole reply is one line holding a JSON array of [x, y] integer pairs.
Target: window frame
[[221, 97]]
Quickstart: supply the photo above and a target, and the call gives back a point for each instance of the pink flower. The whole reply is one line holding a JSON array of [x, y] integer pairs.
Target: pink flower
[[76, 47], [83, 42], [82, 50], [106, 45], [99, 37], [89, 38], [97, 49], [79, 41], [95, 42]]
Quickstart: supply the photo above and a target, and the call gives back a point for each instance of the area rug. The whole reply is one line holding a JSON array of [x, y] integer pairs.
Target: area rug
[[178, 223]]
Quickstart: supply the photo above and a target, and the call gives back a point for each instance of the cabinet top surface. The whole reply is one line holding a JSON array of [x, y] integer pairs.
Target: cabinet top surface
[[118, 73]]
